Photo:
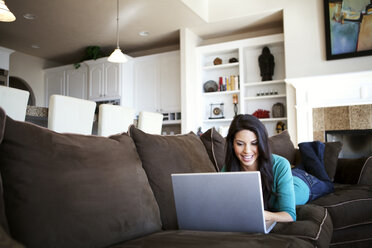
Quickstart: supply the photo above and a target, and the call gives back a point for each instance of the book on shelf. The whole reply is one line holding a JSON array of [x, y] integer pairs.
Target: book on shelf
[[228, 83]]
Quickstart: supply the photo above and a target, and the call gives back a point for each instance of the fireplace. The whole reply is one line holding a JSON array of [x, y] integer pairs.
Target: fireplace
[[356, 143], [351, 125], [346, 99]]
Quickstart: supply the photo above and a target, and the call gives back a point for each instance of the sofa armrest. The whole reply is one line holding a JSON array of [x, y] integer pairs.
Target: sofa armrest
[[366, 173]]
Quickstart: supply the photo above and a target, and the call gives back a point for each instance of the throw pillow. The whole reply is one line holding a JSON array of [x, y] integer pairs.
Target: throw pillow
[[348, 170], [282, 145], [331, 152], [5, 240], [164, 155], [69, 190], [215, 145]]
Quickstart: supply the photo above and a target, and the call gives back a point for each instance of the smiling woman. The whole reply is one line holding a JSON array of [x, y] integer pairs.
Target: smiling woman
[[247, 149]]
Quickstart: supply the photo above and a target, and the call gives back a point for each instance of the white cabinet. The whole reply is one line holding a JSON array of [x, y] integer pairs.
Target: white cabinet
[[169, 80], [67, 81], [252, 93], [76, 82], [157, 82], [104, 80], [145, 84]]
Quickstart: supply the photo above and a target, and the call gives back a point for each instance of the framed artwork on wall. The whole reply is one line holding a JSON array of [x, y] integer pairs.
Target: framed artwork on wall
[[348, 28]]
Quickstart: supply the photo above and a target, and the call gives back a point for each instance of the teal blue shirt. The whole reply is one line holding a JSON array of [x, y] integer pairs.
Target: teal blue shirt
[[289, 190]]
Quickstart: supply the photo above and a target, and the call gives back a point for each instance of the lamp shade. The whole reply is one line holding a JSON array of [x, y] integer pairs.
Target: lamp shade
[[117, 57], [5, 14]]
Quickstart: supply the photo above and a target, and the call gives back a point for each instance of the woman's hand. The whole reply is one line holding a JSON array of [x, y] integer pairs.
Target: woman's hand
[[278, 216]]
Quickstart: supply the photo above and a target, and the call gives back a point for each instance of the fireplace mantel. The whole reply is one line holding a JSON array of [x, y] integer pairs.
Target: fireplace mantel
[[328, 91]]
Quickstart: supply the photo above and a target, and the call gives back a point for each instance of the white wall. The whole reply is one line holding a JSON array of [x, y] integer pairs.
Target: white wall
[[30, 69], [303, 33], [304, 38], [4, 58], [305, 43], [188, 76]]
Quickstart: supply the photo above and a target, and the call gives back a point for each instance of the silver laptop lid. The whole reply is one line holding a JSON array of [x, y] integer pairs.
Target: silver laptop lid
[[229, 201]]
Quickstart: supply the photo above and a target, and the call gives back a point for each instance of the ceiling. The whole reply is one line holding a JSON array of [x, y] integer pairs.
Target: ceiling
[[63, 29]]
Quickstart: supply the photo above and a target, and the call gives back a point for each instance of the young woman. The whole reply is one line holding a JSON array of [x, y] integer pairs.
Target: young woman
[[248, 150]]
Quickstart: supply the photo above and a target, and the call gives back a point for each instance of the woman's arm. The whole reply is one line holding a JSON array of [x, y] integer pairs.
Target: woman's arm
[[278, 216], [284, 191]]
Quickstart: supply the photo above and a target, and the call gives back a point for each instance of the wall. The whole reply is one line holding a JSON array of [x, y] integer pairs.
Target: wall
[[305, 52], [188, 57], [30, 69], [4, 58], [303, 32]]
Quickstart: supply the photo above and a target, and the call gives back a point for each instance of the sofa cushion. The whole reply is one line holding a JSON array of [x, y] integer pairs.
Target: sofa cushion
[[331, 152], [163, 155], [282, 145], [349, 205], [69, 190], [215, 145], [3, 221], [366, 172], [202, 239], [7, 242], [313, 224], [348, 170], [354, 236]]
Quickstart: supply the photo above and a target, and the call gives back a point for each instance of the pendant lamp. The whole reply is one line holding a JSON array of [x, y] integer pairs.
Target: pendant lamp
[[117, 56], [5, 14]]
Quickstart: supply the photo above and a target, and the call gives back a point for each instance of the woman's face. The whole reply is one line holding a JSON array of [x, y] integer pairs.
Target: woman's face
[[246, 149]]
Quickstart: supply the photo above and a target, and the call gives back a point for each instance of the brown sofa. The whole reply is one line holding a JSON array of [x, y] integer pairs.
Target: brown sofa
[[350, 206], [67, 190]]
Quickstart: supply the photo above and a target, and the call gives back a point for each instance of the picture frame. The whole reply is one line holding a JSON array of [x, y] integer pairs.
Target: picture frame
[[348, 28], [216, 111]]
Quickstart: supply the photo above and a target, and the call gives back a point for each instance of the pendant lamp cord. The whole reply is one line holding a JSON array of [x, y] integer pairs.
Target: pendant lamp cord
[[117, 25]]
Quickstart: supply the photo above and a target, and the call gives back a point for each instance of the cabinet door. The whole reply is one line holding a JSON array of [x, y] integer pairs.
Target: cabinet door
[[112, 80], [145, 78], [54, 84], [95, 81], [76, 83], [169, 82]]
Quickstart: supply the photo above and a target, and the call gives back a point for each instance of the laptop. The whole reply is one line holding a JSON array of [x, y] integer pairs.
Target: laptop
[[226, 201]]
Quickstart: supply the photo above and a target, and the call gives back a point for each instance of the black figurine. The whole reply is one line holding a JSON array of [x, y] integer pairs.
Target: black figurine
[[266, 62]]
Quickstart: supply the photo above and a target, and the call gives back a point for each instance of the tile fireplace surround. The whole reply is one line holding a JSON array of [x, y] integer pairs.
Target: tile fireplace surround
[[356, 117], [332, 102]]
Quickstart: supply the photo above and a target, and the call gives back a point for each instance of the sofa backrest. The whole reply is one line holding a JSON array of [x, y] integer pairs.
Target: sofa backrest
[[70, 190], [162, 156], [280, 144]]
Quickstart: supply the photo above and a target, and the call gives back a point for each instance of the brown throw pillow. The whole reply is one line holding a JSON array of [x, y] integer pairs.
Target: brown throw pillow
[[331, 152], [2, 123], [282, 145], [69, 190], [7, 242], [348, 170], [215, 145], [164, 155]]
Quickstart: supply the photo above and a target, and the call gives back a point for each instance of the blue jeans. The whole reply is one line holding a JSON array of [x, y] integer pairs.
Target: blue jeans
[[317, 187]]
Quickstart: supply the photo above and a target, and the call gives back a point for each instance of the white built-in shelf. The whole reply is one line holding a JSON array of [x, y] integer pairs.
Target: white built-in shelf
[[273, 119], [264, 83], [222, 66], [218, 120], [171, 122], [264, 97], [218, 93]]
